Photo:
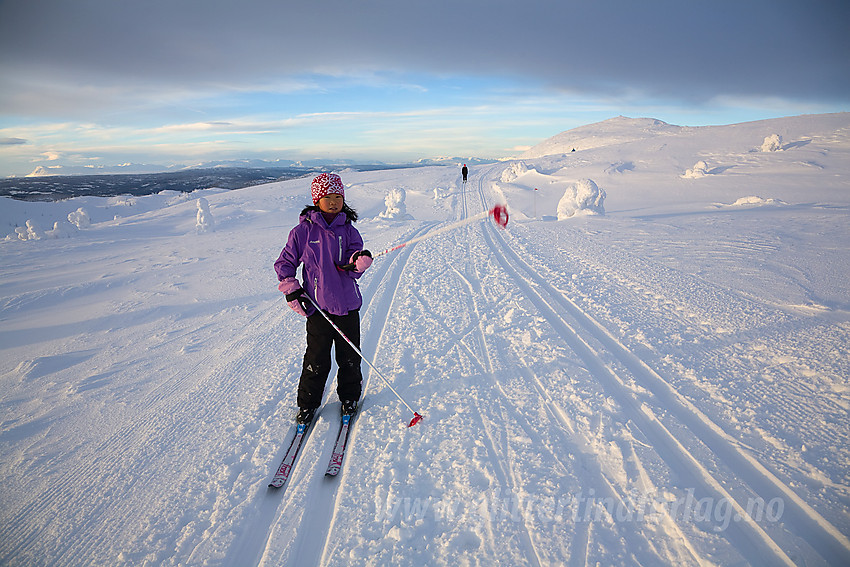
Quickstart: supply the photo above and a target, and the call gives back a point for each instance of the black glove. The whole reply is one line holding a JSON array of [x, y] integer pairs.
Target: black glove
[[298, 295], [353, 261]]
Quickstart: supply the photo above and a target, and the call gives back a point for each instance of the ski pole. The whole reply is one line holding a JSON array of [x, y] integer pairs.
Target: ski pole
[[416, 415], [499, 214]]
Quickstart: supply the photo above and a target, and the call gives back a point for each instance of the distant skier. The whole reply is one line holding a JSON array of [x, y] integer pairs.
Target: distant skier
[[464, 171], [324, 240]]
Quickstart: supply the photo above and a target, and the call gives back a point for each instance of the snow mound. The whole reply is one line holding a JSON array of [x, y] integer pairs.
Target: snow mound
[[62, 229], [754, 200], [772, 143], [620, 167], [441, 193], [583, 197], [700, 169]]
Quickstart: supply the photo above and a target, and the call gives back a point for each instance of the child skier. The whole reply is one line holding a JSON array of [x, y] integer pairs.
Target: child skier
[[324, 241]]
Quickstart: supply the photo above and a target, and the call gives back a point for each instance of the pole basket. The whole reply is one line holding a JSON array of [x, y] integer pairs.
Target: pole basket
[[500, 215], [416, 419]]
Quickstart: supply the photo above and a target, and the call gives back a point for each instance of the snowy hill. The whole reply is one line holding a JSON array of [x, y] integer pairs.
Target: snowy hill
[[607, 133], [622, 130], [660, 378]]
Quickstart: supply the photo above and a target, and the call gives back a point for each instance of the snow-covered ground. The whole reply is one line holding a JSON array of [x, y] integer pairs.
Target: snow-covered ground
[[660, 378]]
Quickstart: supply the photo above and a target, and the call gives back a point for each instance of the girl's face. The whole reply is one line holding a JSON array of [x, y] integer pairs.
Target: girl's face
[[331, 203]]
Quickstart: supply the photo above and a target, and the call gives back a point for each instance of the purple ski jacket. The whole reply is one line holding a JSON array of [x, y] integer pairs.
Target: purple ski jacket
[[321, 248]]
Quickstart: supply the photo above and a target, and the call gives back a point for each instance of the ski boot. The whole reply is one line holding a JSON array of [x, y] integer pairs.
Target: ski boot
[[305, 416], [349, 407]]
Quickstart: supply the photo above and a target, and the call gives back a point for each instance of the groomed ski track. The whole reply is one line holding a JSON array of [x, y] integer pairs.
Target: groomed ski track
[[547, 473], [556, 431], [640, 392]]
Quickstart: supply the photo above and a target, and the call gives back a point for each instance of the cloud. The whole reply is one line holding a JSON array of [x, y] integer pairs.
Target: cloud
[[668, 48], [162, 79]]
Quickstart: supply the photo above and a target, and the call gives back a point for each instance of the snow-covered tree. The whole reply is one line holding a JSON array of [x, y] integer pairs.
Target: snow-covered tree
[[700, 169], [33, 231], [583, 197], [80, 218], [395, 203], [772, 143], [62, 229], [204, 218], [509, 174]]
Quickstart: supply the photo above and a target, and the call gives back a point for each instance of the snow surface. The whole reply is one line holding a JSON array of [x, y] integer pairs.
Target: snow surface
[[664, 383]]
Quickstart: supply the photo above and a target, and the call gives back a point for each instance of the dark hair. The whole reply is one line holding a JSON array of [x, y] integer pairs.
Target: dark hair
[[349, 212]]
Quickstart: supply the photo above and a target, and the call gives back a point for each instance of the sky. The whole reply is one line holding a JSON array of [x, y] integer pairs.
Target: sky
[[106, 82]]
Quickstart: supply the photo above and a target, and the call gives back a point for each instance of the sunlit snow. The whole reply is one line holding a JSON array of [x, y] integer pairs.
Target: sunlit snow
[[662, 382]]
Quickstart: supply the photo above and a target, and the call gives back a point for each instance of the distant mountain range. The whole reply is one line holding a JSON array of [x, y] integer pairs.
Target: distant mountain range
[[142, 168], [53, 184]]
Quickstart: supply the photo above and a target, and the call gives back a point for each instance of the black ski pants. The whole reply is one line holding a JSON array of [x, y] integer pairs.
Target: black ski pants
[[321, 336]]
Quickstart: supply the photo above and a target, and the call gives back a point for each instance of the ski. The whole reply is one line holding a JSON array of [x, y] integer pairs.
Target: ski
[[288, 461], [335, 463]]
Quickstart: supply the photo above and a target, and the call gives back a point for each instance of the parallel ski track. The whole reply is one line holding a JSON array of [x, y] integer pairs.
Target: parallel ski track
[[474, 344], [497, 443], [591, 473], [503, 473], [567, 440], [588, 338]]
